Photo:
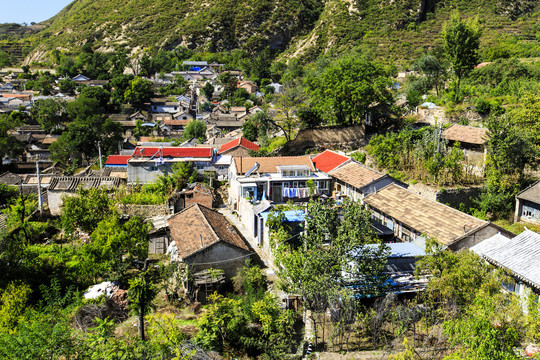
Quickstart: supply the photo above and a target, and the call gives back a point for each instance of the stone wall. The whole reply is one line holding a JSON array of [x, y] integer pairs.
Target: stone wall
[[144, 211], [349, 137], [452, 197]]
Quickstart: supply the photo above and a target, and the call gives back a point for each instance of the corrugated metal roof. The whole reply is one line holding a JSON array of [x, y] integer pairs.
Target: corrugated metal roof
[[520, 255]]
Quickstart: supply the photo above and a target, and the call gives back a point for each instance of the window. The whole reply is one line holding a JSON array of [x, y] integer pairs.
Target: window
[[323, 185], [199, 167]]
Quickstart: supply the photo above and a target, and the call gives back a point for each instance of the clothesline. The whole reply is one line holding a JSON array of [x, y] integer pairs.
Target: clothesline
[[297, 192]]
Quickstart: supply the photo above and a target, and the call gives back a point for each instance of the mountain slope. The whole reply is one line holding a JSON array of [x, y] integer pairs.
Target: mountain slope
[[392, 30], [401, 29], [211, 25]]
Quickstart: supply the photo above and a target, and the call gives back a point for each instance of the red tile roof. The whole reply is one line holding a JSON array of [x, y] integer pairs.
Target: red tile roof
[[239, 142], [176, 152], [118, 159], [329, 160]]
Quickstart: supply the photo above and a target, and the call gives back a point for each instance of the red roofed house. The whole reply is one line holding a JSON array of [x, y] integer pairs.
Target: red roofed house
[[117, 160], [329, 160], [203, 238], [238, 147], [149, 162]]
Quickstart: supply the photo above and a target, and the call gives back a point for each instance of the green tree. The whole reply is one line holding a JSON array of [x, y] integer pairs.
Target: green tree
[[433, 68], [141, 293], [329, 248], [119, 84], [114, 245], [139, 92], [461, 41], [195, 129], [49, 113], [347, 88], [9, 145], [85, 210], [208, 90], [98, 93], [67, 86]]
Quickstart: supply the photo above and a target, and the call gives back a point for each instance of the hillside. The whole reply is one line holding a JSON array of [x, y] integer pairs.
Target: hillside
[[210, 25], [401, 29], [391, 29]]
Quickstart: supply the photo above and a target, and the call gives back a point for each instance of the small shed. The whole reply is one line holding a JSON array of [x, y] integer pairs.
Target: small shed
[[205, 239], [528, 204]]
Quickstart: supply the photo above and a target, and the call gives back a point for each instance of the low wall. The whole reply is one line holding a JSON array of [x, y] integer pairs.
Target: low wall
[[452, 197], [144, 211], [344, 137]]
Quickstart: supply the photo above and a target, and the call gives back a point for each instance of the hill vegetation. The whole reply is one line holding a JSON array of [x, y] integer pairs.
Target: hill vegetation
[[390, 30]]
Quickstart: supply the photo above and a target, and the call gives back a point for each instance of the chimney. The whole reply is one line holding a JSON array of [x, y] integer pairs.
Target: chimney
[[200, 237]]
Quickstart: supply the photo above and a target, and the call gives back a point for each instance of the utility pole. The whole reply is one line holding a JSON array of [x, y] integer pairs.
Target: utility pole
[[40, 199], [100, 162]]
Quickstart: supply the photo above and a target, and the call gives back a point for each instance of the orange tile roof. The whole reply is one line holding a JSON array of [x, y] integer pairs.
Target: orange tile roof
[[466, 134], [241, 141], [329, 160], [355, 174], [198, 227], [270, 164]]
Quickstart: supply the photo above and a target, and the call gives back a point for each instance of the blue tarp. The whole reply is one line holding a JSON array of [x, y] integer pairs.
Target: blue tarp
[[429, 105], [290, 215]]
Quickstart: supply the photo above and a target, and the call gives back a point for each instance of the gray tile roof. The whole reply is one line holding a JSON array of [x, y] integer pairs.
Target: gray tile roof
[[532, 193], [520, 255], [71, 183]]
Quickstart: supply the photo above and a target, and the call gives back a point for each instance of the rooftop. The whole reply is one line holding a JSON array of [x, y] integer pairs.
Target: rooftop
[[173, 152], [466, 134], [117, 160], [197, 228], [532, 193], [270, 164], [520, 255], [355, 174], [241, 141], [428, 217], [71, 183], [329, 160]]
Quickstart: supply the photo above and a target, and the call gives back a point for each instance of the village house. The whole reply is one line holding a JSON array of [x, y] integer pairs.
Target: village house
[[203, 238], [196, 193], [250, 86], [68, 185], [355, 181], [519, 255], [414, 218], [238, 147], [472, 141], [328, 160], [277, 178], [399, 270], [528, 204], [149, 162]]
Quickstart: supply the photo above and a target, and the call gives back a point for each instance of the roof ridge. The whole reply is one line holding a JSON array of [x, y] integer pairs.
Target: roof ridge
[[207, 221]]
